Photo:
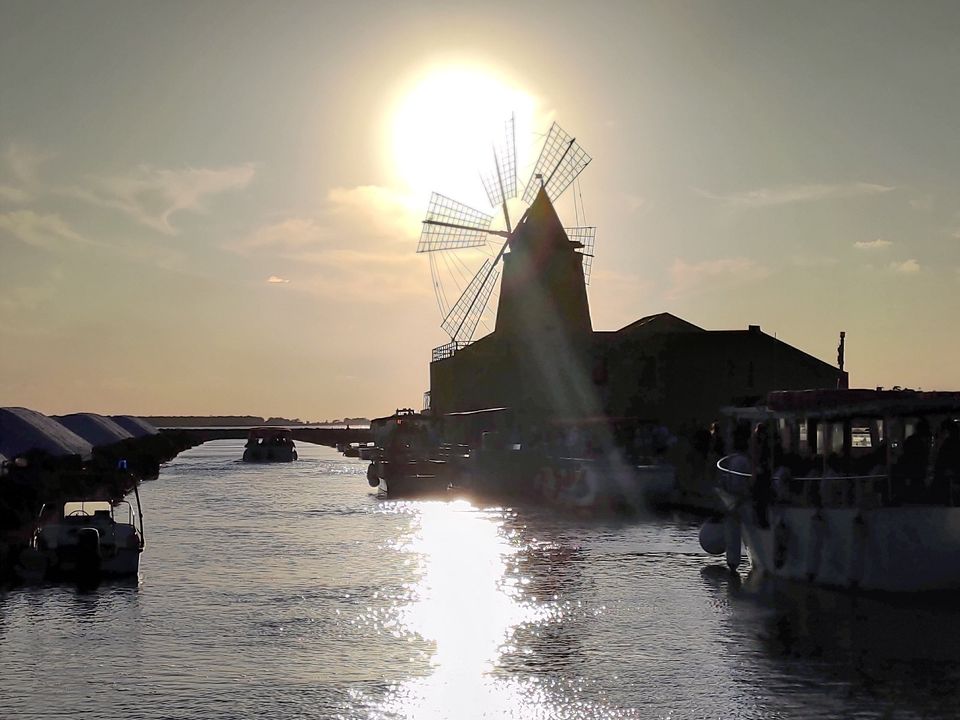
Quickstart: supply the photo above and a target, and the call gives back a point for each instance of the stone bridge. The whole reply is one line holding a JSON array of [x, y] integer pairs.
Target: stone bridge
[[317, 436]]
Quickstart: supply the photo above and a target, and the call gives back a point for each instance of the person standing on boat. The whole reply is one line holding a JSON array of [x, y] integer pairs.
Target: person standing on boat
[[912, 467], [762, 474], [946, 468]]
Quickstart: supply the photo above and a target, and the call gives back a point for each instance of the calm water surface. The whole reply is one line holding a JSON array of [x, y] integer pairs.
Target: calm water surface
[[293, 592]]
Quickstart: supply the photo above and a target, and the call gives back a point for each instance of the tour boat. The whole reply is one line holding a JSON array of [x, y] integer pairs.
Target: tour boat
[[405, 460], [845, 488], [86, 539], [270, 444]]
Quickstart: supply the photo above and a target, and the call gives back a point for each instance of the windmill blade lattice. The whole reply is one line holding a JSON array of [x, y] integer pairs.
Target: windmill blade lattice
[[461, 321], [501, 183], [453, 231], [560, 161], [587, 237], [450, 225]]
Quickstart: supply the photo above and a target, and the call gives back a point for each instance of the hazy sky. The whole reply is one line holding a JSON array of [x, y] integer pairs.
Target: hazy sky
[[212, 207]]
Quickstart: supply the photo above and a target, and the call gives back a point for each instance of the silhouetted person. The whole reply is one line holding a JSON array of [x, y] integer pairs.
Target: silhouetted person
[[716, 440], [762, 474], [946, 468], [912, 467]]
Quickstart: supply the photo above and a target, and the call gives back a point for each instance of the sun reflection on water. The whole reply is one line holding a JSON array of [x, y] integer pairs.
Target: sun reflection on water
[[469, 600], [464, 603]]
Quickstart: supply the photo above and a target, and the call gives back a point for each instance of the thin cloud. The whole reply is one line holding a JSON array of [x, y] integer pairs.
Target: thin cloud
[[151, 196], [907, 267], [872, 244], [276, 280], [358, 246], [789, 194], [295, 233], [709, 274], [15, 195], [385, 211], [41, 231], [23, 163]]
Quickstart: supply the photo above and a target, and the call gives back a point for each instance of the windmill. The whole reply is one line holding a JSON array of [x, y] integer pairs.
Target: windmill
[[451, 226]]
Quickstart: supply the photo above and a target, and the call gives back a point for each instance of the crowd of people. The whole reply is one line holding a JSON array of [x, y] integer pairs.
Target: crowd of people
[[924, 468]]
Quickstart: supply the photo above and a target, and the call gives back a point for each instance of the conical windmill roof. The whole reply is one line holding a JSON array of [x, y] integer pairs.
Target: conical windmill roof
[[23, 430], [137, 427], [540, 228], [95, 429]]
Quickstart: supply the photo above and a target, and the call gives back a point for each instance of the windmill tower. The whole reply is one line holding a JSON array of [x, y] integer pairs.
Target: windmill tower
[[535, 358], [545, 266]]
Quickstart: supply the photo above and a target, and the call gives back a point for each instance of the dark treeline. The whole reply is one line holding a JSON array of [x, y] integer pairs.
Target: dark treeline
[[196, 421]]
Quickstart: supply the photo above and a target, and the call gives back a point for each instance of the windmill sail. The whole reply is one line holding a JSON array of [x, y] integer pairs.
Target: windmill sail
[[461, 322], [560, 161], [451, 225], [501, 182], [587, 237]]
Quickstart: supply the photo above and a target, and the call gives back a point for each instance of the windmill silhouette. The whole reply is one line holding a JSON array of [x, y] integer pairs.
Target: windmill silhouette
[[451, 226]]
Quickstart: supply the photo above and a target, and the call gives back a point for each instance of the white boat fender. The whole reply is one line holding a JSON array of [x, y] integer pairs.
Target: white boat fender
[[731, 527], [712, 536], [372, 478], [780, 541]]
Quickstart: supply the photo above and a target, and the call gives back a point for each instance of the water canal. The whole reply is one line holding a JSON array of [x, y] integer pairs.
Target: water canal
[[292, 592]]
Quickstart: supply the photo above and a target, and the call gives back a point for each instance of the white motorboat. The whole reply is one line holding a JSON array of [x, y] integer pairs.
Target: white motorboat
[[87, 539], [845, 488], [270, 444]]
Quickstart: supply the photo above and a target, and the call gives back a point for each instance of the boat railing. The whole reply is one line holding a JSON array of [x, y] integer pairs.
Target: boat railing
[[863, 491]]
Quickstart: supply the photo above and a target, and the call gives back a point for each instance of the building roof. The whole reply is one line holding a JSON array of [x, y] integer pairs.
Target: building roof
[[660, 322], [137, 427], [23, 430], [95, 429]]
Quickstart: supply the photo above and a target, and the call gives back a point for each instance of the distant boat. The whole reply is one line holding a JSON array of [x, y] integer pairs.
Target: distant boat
[[270, 444]]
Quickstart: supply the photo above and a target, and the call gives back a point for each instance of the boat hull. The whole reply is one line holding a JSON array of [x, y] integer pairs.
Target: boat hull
[[267, 455], [67, 565], [420, 478], [892, 549]]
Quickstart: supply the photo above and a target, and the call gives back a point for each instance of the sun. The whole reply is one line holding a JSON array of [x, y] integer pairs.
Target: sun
[[444, 126]]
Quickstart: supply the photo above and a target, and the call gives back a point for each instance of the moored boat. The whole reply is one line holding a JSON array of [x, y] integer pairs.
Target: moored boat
[[846, 488], [85, 539], [405, 459]]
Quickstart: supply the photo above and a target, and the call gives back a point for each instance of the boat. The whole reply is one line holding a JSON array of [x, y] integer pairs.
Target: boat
[[270, 444], [406, 460], [844, 488], [85, 539], [367, 451]]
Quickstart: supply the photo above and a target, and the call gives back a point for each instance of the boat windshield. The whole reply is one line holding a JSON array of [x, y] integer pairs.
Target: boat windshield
[[121, 512]]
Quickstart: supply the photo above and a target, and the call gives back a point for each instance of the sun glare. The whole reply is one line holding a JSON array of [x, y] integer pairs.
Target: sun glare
[[444, 127]]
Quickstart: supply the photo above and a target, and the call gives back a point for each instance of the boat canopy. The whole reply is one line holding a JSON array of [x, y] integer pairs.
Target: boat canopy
[[861, 402], [270, 432], [137, 427], [23, 430], [97, 430]]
